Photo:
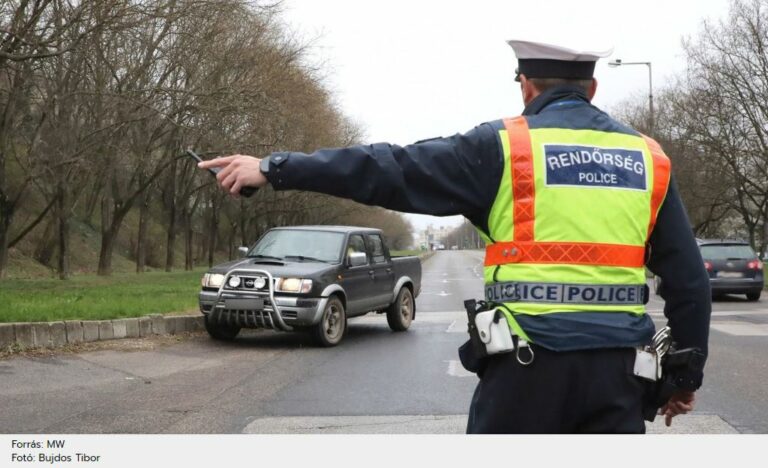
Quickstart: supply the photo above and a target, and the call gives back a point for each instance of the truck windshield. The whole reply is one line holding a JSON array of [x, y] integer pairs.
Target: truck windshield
[[302, 245]]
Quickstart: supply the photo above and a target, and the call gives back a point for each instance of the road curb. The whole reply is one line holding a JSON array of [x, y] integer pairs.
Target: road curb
[[23, 336], [7, 335]]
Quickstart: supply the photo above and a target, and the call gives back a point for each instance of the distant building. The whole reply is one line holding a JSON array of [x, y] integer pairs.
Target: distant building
[[432, 237]]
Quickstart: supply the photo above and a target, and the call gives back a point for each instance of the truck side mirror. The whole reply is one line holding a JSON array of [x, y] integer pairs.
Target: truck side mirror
[[243, 251], [356, 259]]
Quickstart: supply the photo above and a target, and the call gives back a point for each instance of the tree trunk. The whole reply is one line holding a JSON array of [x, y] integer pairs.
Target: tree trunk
[[169, 200], [244, 221], [141, 243], [91, 201], [105, 255], [213, 231], [63, 241], [764, 242], [170, 251], [109, 232], [189, 250], [189, 233], [5, 226], [231, 242], [46, 246]]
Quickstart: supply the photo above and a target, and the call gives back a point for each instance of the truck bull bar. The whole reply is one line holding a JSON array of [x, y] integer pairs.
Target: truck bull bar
[[275, 319]]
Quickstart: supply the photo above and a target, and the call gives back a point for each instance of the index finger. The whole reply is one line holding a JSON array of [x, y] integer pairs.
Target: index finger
[[218, 162]]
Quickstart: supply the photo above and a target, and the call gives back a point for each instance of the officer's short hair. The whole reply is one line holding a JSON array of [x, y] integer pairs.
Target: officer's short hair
[[543, 84]]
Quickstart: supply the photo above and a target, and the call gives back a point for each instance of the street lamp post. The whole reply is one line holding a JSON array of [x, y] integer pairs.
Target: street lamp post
[[618, 63]]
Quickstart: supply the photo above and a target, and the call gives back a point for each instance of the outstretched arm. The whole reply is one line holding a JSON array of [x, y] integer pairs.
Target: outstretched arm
[[459, 175]]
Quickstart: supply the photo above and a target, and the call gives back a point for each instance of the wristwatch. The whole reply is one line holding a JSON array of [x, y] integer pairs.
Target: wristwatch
[[264, 166]]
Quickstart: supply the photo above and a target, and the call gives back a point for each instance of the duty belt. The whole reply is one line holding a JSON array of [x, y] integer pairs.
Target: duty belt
[[559, 293]]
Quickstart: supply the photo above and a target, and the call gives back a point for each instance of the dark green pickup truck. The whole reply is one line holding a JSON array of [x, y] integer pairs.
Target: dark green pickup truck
[[311, 278]]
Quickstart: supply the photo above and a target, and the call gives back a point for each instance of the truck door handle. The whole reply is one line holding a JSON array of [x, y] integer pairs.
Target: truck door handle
[[389, 270], [371, 272]]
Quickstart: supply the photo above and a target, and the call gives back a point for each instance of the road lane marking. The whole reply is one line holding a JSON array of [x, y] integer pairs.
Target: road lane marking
[[740, 329], [456, 321], [396, 424], [455, 369], [718, 313], [457, 326], [446, 424], [445, 280], [421, 317]]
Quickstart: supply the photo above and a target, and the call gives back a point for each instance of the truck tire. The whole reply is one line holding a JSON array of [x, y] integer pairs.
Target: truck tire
[[220, 332], [333, 324], [400, 312]]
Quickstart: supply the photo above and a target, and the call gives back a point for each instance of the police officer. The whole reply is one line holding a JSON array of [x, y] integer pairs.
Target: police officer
[[573, 206]]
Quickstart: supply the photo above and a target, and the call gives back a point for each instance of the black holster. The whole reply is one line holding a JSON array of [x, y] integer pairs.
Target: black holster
[[472, 353], [674, 364]]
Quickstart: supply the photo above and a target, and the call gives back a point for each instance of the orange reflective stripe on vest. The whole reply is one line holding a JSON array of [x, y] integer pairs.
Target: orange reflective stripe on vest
[[523, 182], [572, 253], [661, 174]]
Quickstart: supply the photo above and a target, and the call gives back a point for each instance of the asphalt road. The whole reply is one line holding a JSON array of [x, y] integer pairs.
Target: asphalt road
[[376, 381]]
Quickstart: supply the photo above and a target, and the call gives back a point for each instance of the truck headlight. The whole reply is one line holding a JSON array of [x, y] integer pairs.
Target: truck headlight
[[259, 282], [293, 285], [212, 280]]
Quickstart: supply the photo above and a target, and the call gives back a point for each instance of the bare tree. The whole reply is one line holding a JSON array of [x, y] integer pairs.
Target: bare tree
[[726, 110], [32, 32], [98, 98]]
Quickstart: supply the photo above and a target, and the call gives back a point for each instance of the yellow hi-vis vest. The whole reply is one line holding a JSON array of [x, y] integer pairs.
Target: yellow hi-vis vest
[[571, 221]]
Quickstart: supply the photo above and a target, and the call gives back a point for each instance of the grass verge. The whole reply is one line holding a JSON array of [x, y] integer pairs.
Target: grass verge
[[98, 298]]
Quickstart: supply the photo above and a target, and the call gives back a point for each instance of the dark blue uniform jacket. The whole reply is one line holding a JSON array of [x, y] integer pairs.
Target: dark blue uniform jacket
[[460, 175]]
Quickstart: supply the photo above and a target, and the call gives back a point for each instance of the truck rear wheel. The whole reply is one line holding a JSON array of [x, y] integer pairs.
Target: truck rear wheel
[[333, 324], [400, 312], [219, 331]]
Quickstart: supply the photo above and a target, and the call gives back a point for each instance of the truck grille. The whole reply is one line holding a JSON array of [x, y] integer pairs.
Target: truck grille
[[246, 318], [248, 283]]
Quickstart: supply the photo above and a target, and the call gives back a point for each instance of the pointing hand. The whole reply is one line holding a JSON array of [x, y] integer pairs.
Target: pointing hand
[[236, 172]]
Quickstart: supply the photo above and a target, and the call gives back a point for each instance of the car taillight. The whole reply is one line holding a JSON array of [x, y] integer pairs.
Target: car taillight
[[708, 266], [755, 265]]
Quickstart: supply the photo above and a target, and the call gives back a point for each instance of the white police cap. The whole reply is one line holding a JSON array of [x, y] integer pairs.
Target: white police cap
[[543, 60]]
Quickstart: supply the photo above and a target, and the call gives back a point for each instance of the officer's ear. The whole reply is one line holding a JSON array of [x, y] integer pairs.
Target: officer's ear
[[528, 89], [592, 90]]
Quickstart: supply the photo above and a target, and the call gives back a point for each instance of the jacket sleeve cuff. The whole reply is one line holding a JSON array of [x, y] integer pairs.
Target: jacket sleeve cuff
[[273, 169], [690, 380]]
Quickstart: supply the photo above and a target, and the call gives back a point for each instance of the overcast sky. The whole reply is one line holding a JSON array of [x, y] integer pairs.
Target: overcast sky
[[408, 70]]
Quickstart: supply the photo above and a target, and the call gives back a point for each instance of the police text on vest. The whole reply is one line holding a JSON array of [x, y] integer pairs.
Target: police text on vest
[[589, 166]]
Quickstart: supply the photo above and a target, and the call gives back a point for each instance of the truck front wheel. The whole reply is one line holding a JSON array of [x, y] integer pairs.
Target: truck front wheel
[[400, 312], [220, 332], [333, 324]]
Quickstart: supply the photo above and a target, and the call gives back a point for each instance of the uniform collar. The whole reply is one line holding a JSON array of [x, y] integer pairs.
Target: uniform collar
[[553, 95]]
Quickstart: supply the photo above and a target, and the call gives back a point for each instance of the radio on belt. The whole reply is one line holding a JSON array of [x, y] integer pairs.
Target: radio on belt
[[494, 332], [489, 332]]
